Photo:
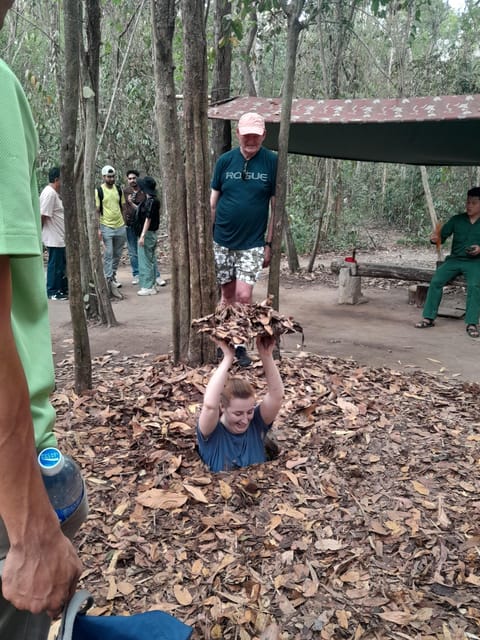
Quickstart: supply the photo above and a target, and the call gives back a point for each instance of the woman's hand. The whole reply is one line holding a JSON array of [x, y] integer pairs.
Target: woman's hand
[[265, 345], [227, 350]]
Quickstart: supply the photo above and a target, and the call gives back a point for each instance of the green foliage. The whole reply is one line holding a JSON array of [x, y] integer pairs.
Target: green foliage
[[378, 48]]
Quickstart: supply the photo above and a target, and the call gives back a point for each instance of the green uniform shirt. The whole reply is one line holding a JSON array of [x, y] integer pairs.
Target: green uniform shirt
[[20, 240], [464, 234]]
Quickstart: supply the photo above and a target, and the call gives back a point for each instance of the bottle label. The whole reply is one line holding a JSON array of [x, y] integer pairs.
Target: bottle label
[[66, 512]]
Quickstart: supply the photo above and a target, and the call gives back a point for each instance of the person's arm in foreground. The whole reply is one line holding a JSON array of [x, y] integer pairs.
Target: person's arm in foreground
[[210, 412], [271, 403], [41, 568]]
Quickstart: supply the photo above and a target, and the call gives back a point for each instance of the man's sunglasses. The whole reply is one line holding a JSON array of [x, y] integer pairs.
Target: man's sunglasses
[[244, 170]]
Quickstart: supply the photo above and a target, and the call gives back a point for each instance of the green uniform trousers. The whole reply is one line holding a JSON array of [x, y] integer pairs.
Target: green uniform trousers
[[452, 267]]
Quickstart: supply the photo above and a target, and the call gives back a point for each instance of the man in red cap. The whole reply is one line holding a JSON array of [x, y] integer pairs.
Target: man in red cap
[[242, 203]]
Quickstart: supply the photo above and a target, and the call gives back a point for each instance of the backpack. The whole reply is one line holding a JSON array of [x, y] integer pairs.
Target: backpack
[[140, 215], [100, 197]]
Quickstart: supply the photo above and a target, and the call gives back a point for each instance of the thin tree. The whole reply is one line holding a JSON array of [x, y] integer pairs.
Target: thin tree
[[221, 138], [197, 170], [293, 11], [82, 359], [90, 76], [173, 172]]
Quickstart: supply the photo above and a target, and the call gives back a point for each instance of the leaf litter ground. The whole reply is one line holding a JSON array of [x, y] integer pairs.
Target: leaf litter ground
[[366, 525]]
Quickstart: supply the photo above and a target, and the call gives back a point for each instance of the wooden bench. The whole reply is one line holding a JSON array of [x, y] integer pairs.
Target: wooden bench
[[350, 273]]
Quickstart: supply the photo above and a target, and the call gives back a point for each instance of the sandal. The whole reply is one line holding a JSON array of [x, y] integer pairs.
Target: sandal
[[473, 331], [426, 323]]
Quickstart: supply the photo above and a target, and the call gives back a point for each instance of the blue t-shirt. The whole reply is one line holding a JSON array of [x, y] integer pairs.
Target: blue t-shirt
[[223, 451], [243, 206]]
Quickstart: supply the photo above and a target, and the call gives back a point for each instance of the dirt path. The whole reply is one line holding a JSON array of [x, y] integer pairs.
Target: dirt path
[[379, 333]]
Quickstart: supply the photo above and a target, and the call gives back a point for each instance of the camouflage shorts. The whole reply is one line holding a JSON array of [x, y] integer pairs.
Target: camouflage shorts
[[233, 264]]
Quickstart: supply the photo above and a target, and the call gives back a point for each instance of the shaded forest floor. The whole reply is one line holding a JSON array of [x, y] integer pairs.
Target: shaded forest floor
[[364, 526]]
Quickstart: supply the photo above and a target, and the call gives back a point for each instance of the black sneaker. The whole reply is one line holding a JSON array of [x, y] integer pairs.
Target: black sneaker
[[58, 296], [243, 359]]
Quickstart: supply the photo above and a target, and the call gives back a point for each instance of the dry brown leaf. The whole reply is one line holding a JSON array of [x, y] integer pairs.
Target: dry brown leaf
[[160, 499], [420, 488], [182, 595], [125, 588], [197, 567], [120, 510], [310, 588], [274, 523], [342, 617], [350, 576], [225, 490], [349, 408], [196, 493], [292, 477], [398, 617], [291, 464], [287, 510], [468, 486], [442, 518], [328, 544], [272, 632]]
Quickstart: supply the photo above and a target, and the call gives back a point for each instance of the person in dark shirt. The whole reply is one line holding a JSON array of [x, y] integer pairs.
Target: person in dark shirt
[[242, 205], [147, 221], [464, 259]]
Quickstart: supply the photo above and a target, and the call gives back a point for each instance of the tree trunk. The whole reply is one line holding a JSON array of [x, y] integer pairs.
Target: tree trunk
[[173, 172], [91, 58], [90, 301], [118, 75], [81, 345], [246, 57], [326, 218], [292, 254], [221, 77], [390, 271], [384, 190], [293, 11], [197, 171], [431, 207], [322, 210]]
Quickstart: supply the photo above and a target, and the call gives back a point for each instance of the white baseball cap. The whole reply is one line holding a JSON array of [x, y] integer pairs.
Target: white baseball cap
[[108, 170]]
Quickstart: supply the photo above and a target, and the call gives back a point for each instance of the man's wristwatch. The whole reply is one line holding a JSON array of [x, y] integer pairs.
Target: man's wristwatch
[[268, 244]]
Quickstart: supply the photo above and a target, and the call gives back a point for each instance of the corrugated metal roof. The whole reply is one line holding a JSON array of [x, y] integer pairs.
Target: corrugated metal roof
[[438, 130]]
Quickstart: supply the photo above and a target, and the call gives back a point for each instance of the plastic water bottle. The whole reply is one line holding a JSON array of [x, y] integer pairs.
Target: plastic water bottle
[[63, 481]]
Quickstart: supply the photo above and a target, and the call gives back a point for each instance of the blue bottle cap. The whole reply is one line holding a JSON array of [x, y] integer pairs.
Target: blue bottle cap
[[51, 461]]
